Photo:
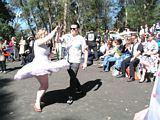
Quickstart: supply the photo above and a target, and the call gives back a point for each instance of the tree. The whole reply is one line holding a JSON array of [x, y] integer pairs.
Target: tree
[[135, 16], [91, 14], [6, 16]]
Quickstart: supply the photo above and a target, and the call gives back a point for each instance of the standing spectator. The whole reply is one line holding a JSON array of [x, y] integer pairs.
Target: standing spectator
[[58, 44], [146, 28], [157, 25], [153, 29], [91, 42], [29, 53], [76, 45], [98, 40], [106, 35], [12, 45], [2, 59], [22, 44], [63, 44], [141, 32], [4, 45], [6, 50], [31, 43]]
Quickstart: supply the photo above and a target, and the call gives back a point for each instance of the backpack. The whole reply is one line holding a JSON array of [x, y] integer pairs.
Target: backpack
[[91, 36]]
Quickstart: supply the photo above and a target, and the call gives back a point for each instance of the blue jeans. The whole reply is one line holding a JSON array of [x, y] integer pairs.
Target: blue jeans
[[118, 62], [106, 62]]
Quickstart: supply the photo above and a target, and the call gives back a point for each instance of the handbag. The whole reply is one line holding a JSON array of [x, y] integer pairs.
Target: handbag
[[137, 76], [6, 54], [2, 58]]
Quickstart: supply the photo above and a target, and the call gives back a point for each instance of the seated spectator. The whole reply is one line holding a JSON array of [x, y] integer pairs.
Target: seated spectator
[[149, 59], [133, 60], [108, 47], [158, 40], [105, 48], [126, 52], [112, 55]]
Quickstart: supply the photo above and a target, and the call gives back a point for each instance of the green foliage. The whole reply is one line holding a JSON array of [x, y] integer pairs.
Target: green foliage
[[5, 17], [6, 31], [140, 12], [6, 14], [93, 14]]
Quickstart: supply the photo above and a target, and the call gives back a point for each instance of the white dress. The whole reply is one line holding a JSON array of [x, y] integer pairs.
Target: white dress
[[22, 46], [153, 111], [154, 107], [40, 65]]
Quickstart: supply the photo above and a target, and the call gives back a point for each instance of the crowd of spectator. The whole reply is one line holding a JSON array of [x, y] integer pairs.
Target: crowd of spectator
[[12, 50], [135, 55]]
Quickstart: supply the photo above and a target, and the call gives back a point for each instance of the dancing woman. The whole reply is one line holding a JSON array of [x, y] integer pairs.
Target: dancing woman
[[41, 66]]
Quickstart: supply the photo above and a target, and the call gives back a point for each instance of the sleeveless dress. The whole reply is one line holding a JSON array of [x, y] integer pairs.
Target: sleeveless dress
[[40, 65], [154, 107], [153, 111]]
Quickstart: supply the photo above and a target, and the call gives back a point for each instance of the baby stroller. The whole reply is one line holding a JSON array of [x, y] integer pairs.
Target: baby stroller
[[28, 57]]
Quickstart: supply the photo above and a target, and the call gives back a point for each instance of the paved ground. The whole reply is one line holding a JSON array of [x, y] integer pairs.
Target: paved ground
[[107, 97]]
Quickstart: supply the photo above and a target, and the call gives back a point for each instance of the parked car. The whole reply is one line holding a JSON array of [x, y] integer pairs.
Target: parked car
[[115, 35]]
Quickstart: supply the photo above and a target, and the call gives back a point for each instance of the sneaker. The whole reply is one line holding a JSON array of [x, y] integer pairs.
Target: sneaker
[[70, 100], [106, 70], [0, 71], [100, 66], [4, 71], [131, 79], [120, 75]]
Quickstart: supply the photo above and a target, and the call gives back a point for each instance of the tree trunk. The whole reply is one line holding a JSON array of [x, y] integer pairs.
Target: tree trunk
[[65, 15], [32, 31], [43, 21]]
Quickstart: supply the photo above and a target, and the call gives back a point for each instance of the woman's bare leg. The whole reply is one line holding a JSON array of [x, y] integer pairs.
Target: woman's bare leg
[[43, 80], [143, 75]]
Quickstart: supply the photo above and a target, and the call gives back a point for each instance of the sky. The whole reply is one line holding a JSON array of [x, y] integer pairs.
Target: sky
[[23, 23]]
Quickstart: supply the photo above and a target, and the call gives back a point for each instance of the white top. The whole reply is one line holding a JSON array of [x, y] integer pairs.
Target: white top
[[22, 44], [75, 47]]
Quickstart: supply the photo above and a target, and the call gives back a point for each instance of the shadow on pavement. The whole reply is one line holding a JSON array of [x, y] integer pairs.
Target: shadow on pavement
[[61, 96], [6, 99], [12, 69]]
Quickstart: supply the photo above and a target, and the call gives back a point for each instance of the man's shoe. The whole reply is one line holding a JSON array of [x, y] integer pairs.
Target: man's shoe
[[148, 80], [70, 100], [131, 79]]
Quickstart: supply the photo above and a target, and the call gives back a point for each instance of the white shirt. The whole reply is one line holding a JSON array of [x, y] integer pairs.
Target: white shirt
[[75, 47]]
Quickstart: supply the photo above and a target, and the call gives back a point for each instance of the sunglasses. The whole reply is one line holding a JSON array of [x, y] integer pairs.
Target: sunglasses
[[73, 28]]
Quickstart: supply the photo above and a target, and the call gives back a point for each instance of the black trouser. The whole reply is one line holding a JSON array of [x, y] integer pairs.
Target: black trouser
[[3, 65], [132, 65], [74, 82], [94, 47]]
